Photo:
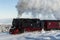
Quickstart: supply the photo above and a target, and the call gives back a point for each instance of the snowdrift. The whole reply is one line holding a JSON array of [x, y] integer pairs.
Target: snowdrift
[[48, 35]]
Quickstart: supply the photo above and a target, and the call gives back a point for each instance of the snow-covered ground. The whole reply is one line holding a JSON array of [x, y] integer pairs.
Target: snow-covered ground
[[48, 35]]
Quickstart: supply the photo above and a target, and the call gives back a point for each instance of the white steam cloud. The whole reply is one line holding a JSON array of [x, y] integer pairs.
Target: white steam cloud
[[39, 6]]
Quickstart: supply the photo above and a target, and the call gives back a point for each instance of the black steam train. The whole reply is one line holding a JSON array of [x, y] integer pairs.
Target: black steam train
[[22, 25]]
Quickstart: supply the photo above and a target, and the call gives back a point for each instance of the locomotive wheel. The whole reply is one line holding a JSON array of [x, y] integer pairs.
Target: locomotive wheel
[[16, 30], [47, 29], [21, 30]]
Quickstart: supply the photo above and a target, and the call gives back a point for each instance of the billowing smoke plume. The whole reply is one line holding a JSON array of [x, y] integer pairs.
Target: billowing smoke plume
[[45, 7]]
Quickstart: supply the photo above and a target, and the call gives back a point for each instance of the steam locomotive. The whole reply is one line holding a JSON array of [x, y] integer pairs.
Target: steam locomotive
[[29, 25]]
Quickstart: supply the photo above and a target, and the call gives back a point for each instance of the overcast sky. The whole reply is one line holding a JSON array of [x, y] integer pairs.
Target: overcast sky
[[7, 9]]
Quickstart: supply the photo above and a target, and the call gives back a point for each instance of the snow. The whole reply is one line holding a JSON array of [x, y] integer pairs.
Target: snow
[[37, 35], [45, 14]]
